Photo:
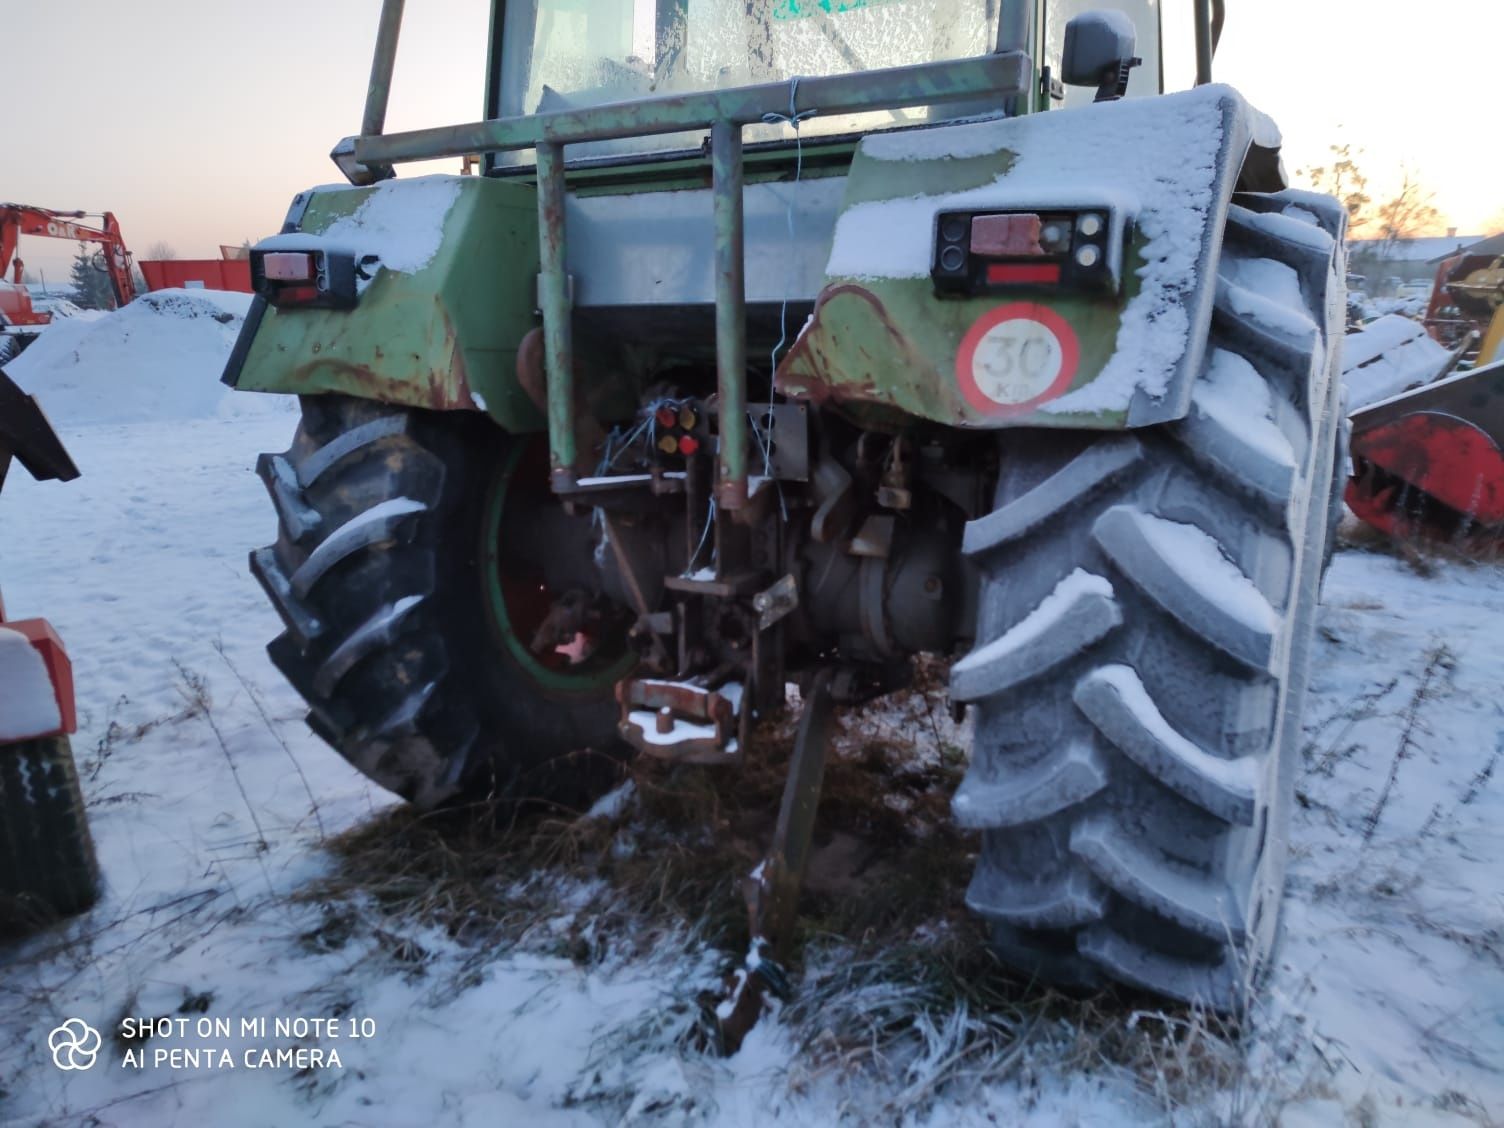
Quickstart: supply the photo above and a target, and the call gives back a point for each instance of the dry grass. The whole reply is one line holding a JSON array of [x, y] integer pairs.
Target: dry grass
[[488, 874], [1422, 554], [894, 980]]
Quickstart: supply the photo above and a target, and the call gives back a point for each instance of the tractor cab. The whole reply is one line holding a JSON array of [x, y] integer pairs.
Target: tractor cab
[[569, 54]]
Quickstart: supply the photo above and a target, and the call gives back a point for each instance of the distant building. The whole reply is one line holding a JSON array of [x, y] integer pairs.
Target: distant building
[[1493, 245], [1386, 264]]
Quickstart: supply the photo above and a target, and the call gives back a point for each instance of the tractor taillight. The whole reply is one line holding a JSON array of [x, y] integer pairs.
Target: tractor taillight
[[284, 266], [983, 252], [1023, 273], [311, 275]]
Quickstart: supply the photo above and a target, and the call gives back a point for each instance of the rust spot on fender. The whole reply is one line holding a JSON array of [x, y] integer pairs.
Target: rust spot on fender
[[817, 368], [443, 385]]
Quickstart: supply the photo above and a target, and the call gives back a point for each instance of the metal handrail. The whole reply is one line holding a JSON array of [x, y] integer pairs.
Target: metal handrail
[[368, 157], [892, 88]]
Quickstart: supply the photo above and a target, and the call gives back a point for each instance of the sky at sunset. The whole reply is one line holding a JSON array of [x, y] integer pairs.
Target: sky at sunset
[[195, 121]]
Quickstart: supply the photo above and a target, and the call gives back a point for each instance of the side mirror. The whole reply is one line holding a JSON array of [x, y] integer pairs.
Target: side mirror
[[1099, 52]]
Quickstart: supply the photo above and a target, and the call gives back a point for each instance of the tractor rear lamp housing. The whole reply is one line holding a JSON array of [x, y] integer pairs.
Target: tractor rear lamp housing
[[1072, 249], [288, 266], [307, 276]]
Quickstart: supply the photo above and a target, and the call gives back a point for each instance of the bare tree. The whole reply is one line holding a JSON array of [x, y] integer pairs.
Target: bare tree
[[160, 251], [1341, 177], [1408, 213]]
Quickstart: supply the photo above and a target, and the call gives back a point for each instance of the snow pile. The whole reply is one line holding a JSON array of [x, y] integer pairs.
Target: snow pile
[[62, 309], [401, 222], [1159, 167], [1389, 356], [160, 357], [28, 705]]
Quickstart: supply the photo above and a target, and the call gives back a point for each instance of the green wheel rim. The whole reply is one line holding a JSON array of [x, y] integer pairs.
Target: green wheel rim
[[594, 676]]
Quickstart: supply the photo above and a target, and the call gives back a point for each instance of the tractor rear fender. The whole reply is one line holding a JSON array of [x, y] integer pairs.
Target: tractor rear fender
[[445, 306], [445, 320], [1010, 336]]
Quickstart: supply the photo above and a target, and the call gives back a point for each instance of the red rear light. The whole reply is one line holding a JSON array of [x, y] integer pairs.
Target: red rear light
[[1057, 248], [1040, 273], [318, 277], [283, 266], [1015, 234]]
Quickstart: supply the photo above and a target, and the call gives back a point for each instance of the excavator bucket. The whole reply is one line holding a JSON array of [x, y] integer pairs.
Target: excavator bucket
[[1428, 464]]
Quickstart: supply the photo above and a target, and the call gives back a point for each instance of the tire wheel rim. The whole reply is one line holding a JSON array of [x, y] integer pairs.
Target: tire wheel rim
[[518, 599]]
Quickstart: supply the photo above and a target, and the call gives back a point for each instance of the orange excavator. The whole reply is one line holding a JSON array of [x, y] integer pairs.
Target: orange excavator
[[19, 321]]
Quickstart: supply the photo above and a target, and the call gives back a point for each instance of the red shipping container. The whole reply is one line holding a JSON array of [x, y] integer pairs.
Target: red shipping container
[[207, 274]]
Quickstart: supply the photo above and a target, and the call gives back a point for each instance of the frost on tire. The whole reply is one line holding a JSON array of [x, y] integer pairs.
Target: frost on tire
[[47, 864], [1146, 614], [378, 575]]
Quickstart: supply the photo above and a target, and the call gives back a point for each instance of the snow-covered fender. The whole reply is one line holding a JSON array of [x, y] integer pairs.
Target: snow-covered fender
[[445, 300], [886, 338], [36, 682]]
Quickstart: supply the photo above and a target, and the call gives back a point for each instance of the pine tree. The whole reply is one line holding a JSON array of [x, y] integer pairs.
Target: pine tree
[[91, 286]]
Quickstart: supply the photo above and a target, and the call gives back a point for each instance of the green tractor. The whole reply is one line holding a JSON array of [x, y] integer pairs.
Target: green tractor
[[781, 342]]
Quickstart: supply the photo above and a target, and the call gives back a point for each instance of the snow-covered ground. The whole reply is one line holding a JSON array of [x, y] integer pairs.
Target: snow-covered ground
[[210, 803], [156, 359]]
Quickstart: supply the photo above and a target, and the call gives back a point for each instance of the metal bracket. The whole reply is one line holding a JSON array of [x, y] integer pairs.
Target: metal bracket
[[773, 888], [776, 602], [358, 174], [681, 721]]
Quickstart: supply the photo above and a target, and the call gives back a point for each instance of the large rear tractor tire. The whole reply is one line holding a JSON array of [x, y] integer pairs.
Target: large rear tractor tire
[[1147, 612], [411, 567], [47, 864]]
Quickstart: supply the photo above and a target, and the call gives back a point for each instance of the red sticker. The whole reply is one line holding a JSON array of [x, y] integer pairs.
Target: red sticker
[[1015, 357]]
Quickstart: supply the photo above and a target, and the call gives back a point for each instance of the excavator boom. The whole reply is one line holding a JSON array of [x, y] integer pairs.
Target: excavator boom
[[21, 219]]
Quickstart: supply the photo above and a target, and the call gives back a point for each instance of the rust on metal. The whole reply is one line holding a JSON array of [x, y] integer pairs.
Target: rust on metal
[[533, 380], [337, 363], [730, 315], [777, 602], [939, 83], [719, 587], [709, 717], [554, 301], [773, 889], [814, 367]]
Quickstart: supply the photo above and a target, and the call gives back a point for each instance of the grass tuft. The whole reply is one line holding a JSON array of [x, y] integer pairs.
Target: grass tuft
[[895, 983]]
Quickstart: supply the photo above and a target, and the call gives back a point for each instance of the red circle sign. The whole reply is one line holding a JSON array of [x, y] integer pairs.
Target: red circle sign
[[1015, 357]]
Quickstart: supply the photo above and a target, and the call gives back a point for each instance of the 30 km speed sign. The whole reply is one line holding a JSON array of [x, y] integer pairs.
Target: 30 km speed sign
[[1016, 356]]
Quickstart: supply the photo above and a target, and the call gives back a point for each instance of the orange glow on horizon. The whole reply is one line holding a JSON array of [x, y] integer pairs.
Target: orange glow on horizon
[[223, 112]]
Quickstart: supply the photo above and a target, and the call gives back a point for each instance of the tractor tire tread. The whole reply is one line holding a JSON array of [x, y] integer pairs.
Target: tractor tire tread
[[48, 867]]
